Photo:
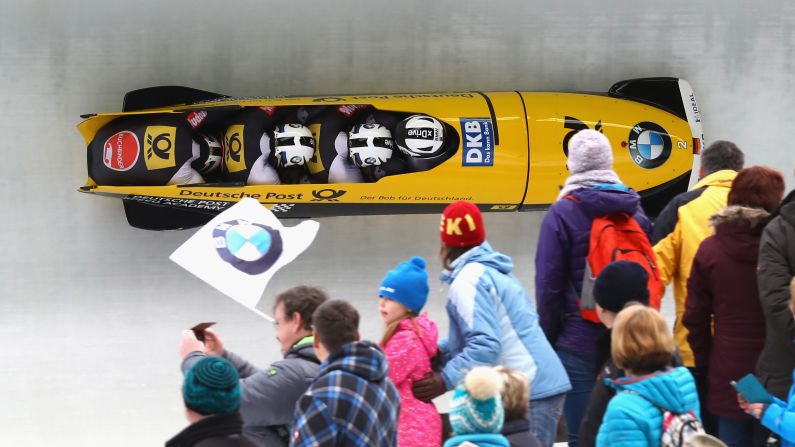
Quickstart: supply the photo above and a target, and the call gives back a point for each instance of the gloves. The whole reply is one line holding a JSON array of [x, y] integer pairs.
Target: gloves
[[437, 361], [430, 387]]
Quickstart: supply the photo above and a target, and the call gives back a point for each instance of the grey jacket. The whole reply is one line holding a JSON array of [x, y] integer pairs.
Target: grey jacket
[[775, 271], [269, 395]]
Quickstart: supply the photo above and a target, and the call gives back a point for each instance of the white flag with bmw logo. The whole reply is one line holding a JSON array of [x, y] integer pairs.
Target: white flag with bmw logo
[[240, 249]]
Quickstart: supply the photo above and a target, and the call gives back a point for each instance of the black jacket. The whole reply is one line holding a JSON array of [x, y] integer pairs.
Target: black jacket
[[221, 430], [775, 271], [268, 396], [517, 431]]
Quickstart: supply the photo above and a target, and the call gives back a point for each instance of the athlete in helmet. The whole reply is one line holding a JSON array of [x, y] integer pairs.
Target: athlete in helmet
[[146, 150], [293, 148], [425, 141], [210, 158], [370, 147]]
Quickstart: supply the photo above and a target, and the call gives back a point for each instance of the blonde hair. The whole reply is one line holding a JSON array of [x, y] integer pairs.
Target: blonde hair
[[641, 341], [515, 393]]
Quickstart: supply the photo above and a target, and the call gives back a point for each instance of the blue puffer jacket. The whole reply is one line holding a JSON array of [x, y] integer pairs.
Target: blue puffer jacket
[[480, 440], [494, 322], [779, 417], [632, 420], [560, 262]]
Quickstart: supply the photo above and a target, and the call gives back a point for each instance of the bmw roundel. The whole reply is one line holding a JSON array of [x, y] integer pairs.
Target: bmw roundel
[[649, 145], [249, 247]]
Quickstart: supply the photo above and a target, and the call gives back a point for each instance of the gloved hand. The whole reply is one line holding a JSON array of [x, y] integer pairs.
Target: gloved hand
[[437, 361], [430, 387]]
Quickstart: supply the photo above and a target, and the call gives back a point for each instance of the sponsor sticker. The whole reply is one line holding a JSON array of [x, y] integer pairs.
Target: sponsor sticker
[[649, 145], [196, 118], [478, 142], [315, 164], [159, 147], [234, 155], [120, 152]]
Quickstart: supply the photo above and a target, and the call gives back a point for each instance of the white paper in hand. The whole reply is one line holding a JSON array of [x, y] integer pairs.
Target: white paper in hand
[[240, 249]]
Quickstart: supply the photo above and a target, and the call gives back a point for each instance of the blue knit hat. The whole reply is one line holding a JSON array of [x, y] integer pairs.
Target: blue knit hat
[[407, 284], [476, 407], [212, 386]]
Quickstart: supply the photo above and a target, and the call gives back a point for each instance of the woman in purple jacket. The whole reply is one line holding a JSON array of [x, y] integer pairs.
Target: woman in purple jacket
[[593, 189], [722, 291]]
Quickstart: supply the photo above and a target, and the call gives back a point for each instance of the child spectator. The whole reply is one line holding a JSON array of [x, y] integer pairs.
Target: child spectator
[[515, 392], [476, 412], [642, 345], [409, 343]]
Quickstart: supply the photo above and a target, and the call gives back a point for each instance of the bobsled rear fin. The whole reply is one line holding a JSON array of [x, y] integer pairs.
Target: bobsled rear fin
[[164, 96], [661, 92]]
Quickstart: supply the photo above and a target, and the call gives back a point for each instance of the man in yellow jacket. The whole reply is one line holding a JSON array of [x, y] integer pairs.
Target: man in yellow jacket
[[684, 223]]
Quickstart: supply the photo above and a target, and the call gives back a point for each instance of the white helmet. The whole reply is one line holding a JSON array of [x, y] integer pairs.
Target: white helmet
[[370, 145], [293, 145], [420, 136], [210, 154]]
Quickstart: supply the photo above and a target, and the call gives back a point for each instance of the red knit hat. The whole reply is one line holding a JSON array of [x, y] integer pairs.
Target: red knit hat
[[462, 225]]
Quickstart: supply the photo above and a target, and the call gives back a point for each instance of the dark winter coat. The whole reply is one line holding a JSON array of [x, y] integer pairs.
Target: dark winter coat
[[722, 292], [517, 431], [776, 269], [268, 396], [221, 430], [560, 263], [352, 402]]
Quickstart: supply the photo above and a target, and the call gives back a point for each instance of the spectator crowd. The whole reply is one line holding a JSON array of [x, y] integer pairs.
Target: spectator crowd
[[589, 350]]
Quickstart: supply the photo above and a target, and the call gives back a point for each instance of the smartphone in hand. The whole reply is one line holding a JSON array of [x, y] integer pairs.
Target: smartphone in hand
[[752, 390], [198, 330]]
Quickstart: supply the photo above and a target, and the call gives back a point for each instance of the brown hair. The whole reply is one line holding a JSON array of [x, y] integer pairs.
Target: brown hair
[[515, 393], [641, 341], [392, 327], [336, 323], [301, 299], [757, 187], [449, 253]]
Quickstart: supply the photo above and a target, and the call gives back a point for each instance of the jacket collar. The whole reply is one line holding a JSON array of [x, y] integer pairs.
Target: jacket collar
[[723, 178], [214, 426]]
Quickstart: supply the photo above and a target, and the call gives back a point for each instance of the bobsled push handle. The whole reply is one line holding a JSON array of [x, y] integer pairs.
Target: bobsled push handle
[[164, 96]]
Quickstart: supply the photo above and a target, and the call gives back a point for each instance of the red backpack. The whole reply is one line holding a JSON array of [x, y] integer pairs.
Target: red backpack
[[617, 237]]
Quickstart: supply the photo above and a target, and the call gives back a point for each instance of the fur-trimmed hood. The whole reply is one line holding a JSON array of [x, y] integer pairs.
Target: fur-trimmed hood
[[738, 230], [741, 216]]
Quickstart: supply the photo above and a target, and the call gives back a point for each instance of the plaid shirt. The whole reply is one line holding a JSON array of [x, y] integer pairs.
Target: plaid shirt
[[350, 403]]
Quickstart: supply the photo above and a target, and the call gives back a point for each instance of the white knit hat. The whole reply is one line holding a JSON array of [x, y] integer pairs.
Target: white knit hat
[[589, 150]]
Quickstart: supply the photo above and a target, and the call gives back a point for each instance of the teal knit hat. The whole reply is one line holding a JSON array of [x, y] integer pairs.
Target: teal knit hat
[[212, 386], [476, 407]]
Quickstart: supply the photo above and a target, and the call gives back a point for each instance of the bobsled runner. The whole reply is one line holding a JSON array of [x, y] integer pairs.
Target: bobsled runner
[[178, 156]]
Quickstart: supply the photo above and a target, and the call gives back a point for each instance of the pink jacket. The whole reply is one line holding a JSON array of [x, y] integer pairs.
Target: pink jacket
[[409, 352]]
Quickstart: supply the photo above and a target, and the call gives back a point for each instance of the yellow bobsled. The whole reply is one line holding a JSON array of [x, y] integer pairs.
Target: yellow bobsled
[[510, 151]]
